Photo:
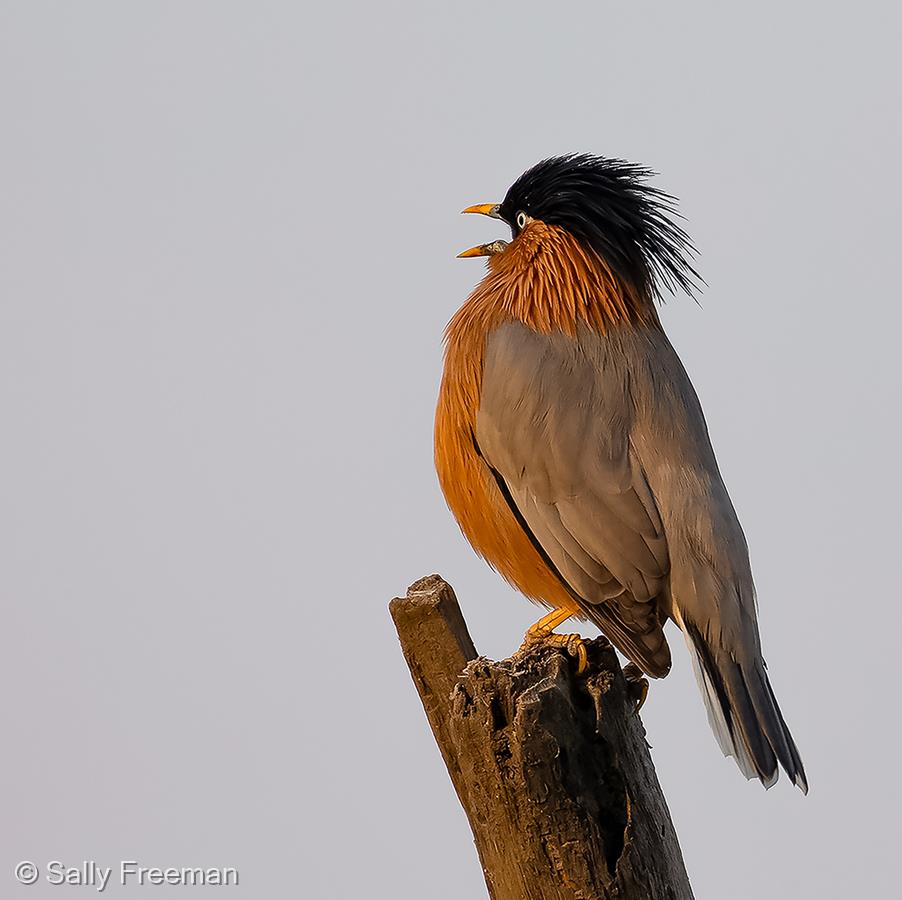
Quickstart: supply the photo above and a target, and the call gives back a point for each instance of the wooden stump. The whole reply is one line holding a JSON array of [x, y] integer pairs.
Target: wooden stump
[[552, 768]]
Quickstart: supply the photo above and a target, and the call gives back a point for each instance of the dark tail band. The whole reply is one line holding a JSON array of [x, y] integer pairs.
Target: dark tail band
[[743, 712]]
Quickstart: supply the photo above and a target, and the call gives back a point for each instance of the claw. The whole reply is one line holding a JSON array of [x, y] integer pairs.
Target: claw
[[542, 633], [576, 646], [572, 643], [636, 684]]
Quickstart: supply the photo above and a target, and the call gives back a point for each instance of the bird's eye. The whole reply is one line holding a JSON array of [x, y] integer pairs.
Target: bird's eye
[[521, 220]]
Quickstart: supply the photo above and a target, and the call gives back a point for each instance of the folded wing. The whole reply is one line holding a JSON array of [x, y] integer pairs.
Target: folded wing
[[553, 427]]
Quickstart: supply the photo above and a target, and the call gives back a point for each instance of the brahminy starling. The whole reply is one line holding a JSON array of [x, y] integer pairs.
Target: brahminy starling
[[572, 449]]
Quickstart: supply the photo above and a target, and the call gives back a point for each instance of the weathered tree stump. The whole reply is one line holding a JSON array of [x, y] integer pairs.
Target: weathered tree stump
[[552, 768]]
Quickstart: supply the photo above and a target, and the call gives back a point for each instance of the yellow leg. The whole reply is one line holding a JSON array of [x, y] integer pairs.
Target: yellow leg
[[548, 623], [542, 632]]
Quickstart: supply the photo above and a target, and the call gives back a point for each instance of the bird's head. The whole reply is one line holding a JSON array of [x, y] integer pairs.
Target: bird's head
[[610, 209]]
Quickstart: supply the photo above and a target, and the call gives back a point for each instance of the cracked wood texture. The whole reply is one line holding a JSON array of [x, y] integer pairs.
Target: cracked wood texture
[[552, 768]]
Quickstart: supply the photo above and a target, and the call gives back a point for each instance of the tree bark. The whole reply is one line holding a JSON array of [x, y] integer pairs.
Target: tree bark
[[552, 768]]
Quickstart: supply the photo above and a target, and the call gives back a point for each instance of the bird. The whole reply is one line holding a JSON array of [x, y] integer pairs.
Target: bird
[[572, 449]]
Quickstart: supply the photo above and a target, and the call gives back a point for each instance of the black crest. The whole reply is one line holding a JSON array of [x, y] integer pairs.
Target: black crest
[[608, 205]]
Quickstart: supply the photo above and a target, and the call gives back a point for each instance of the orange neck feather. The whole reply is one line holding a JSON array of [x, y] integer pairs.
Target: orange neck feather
[[546, 280]]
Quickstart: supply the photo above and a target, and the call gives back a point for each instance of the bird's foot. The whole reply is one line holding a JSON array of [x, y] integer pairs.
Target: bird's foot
[[543, 633], [573, 644], [636, 685]]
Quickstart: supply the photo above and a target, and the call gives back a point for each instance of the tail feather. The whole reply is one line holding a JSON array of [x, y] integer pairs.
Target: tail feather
[[785, 747], [743, 712]]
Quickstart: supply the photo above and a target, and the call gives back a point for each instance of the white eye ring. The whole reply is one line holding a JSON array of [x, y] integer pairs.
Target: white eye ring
[[522, 219]]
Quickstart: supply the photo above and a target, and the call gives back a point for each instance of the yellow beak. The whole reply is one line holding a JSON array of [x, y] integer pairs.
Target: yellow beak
[[485, 209], [474, 251], [484, 250]]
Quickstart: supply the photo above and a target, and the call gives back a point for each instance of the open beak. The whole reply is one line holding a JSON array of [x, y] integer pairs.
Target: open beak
[[484, 209]]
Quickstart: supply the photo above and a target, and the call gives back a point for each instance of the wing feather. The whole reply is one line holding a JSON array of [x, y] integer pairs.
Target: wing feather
[[553, 425]]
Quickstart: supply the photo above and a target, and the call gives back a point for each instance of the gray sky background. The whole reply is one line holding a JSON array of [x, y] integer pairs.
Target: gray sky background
[[227, 240]]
